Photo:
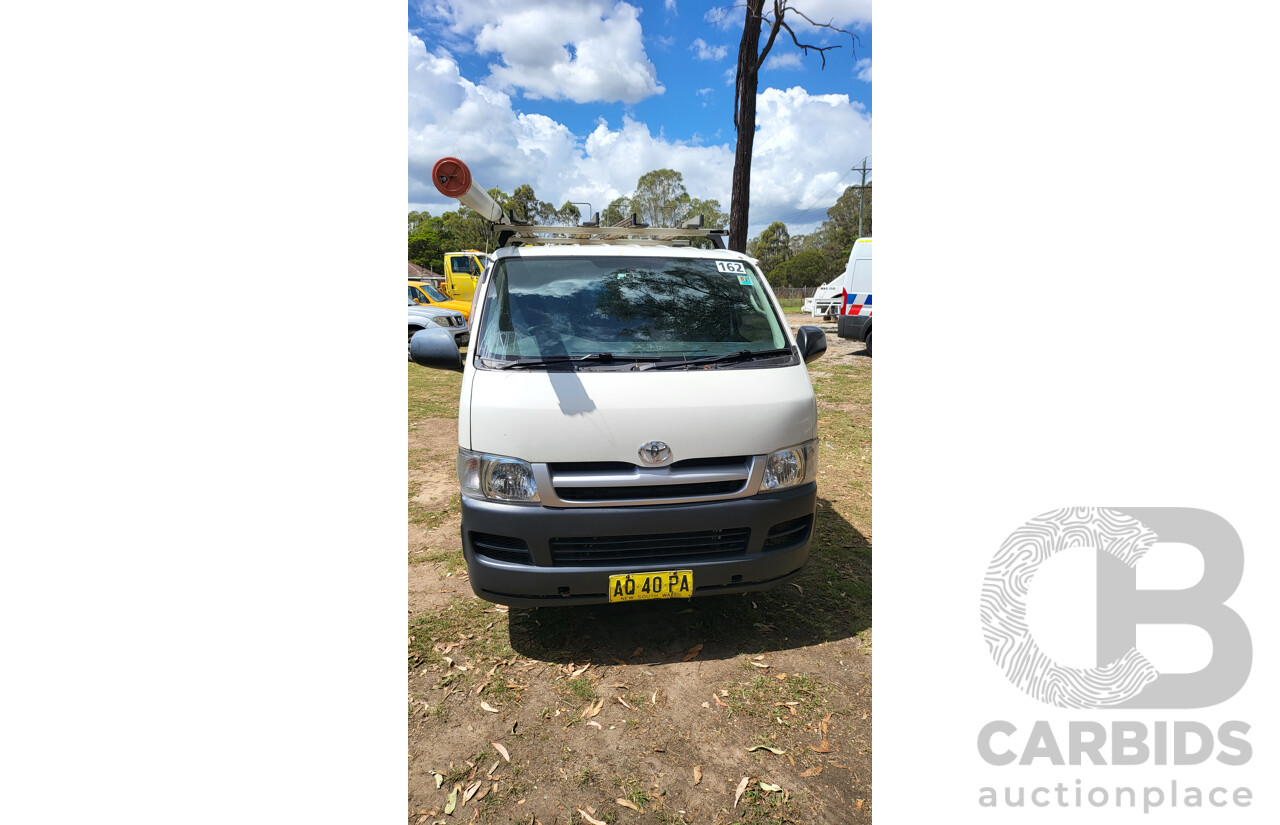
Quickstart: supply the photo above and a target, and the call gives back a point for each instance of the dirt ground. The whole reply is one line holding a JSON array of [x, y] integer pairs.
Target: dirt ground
[[732, 709]]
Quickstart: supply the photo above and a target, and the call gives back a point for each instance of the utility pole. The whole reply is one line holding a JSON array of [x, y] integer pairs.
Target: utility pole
[[862, 192]]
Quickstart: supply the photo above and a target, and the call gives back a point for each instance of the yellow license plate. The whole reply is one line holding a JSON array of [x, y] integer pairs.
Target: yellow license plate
[[660, 584]]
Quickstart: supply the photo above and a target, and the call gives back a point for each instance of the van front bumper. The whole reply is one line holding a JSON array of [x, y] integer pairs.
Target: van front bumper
[[534, 556]]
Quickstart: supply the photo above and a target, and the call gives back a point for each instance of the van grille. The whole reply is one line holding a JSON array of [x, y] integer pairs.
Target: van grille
[[665, 548], [612, 482], [663, 491]]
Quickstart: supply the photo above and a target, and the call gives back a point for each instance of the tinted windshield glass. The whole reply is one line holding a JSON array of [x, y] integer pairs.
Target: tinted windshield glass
[[640, 306], [436, 295]]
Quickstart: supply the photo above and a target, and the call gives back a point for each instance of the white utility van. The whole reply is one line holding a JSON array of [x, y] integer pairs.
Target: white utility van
[[636, 420], [854, 320]]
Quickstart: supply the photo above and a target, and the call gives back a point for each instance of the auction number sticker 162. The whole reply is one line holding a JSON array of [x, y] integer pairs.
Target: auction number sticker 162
[[735, 267]]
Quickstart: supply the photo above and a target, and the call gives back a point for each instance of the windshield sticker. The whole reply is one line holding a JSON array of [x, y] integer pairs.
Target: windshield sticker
[[745, 280], [735, 267]]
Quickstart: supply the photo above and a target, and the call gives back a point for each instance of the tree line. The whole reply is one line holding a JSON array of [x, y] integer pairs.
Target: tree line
[[816, 258], [659, 199]]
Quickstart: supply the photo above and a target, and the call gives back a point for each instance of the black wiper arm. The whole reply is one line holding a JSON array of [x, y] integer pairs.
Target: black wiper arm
[[740, 355], [591, 357]]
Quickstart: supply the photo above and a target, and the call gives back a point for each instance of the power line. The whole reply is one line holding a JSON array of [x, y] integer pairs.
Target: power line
[[809, 208], [862, 193]]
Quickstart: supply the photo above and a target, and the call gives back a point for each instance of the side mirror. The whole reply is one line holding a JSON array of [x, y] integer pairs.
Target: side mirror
[[435, 348], [812, 342]]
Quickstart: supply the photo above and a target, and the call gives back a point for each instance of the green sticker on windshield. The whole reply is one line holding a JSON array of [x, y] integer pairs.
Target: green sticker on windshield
[[745, 280]]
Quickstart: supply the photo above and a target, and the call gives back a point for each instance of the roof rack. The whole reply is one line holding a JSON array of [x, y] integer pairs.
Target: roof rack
[[452, 177]]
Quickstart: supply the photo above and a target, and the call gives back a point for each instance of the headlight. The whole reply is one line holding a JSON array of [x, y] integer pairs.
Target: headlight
[[496, 477], [446, 320], [790, 467]]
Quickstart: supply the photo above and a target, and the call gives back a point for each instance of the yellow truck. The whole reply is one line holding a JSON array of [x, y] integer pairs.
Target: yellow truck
[[461, 272]]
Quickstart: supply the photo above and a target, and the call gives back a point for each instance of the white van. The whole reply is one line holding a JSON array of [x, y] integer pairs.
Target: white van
[[636, 422], [854, 320]]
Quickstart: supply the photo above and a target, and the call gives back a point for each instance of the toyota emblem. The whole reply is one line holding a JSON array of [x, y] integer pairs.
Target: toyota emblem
[[655, 452]]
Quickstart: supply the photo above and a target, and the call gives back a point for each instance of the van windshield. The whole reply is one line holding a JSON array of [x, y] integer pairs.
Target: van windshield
[[648, 308]]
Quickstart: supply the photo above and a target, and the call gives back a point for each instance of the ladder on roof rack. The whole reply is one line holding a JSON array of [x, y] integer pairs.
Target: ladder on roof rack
[[453, 179]]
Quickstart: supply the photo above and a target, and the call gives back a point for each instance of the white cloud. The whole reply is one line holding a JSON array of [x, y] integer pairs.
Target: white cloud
[[864, 69], [783, 60], [670, 5], [726, 17], [804, 148], [704, 51], [842, 13], [579, 50]]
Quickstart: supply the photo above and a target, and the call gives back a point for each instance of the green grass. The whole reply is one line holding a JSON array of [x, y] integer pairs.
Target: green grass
[[458, 619], [582, 688], [433, 393], [630, 789], [759, 807], [426, 517], [759, 698], [452, 560], [791, 304]]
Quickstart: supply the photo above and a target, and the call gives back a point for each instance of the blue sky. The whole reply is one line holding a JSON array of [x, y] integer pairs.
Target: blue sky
[[578, 98]]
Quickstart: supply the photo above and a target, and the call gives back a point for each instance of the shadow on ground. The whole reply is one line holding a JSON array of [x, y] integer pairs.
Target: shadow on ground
[[829, 600]]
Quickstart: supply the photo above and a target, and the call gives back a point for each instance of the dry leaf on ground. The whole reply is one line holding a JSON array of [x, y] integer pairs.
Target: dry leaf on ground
[[501, 750], [697, 774], [778, 751], [693, 651], [859, 804], [488, 707], [589, 818], [742, 786], [470, 792], [765, 786], [718, 702], [759, 664], [453, 800], [814, 771], [627, 803]]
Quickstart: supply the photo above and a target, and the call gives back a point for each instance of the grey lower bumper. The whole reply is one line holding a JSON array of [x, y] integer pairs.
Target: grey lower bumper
[[778, 527]]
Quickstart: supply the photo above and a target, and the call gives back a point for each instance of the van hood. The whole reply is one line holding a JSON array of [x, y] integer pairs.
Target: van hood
[[542, 416]]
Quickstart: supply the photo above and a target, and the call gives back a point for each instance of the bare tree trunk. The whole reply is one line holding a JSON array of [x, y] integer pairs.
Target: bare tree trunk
[[744, 119]]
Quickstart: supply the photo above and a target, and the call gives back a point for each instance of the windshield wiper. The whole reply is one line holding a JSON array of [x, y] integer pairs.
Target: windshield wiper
[[740, 355], [589, 358]]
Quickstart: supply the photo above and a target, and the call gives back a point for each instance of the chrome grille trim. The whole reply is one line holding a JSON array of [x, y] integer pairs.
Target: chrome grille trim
[[555, 486]]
